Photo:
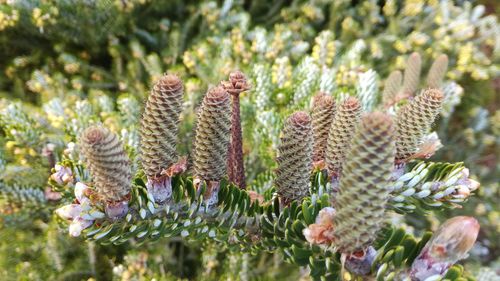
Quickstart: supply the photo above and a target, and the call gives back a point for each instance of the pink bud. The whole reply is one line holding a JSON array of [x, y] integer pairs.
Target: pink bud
[[454, 238], [160, 188], [78, 224], [69, 211], [473, 185], [62, 175], [321, 232], [449, 244], [80, 190], [116, 210]]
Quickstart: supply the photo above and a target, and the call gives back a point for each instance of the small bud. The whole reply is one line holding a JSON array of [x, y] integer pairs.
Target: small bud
[[63, 175], [69, 211], [116, 210], [449, 244], [321, 232], [255, 197], [160, 188], [360, 263], [78, 224]]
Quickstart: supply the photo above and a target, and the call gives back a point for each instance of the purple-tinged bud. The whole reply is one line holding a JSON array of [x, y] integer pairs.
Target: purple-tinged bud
[[449, 244], [360, 263]]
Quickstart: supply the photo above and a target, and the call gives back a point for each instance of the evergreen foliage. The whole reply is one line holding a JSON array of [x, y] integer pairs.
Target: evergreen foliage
[[202, 180]]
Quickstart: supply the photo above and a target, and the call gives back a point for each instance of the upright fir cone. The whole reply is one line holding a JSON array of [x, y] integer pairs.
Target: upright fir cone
[[159, 128], [412, 74], [363, 187], [391, 87], [414, 121], [109, 167], [235, 86], [294, 158], [322, 116], [211, 141], [340, 135], [437, 72]]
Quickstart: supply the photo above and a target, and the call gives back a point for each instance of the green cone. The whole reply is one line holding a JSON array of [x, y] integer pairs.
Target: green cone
[[437, 71], [414, 122], [340, 135], [108, 163], [412, 74], [322, 116], [294, 158], [212, 135], [363, 186], [159, 126], [391, 87]]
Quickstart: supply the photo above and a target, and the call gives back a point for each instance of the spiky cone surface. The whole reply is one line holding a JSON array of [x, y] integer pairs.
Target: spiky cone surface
[[323, 112], [363, 192], [412, 74], [391, 87], [160, 124], [414, 121], [107, 162], [340, 134], [235, 86], [437, 72], [212, 135], [294, 158]]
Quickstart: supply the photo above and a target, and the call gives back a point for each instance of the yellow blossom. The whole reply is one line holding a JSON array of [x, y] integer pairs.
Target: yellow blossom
[[400, 62], [401, 46], [479, 74], [389, 8], [188, 60], [413, 7]]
